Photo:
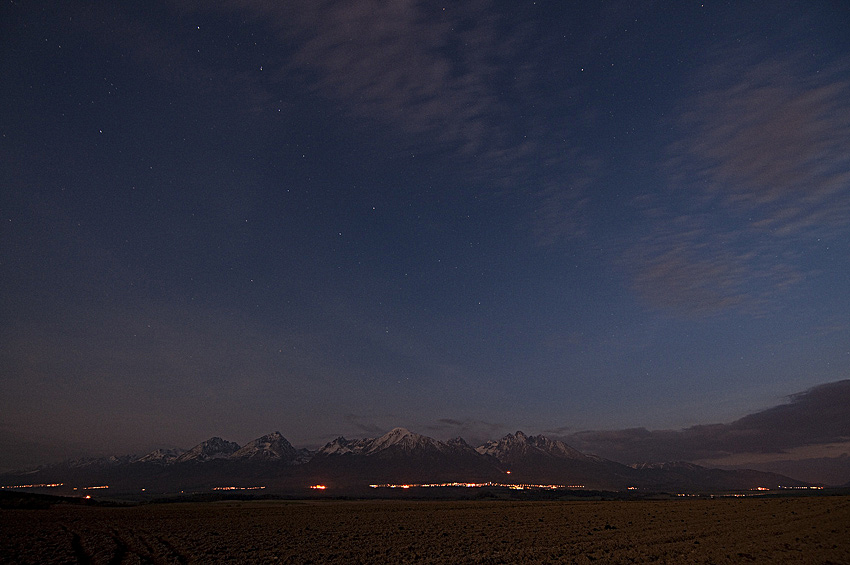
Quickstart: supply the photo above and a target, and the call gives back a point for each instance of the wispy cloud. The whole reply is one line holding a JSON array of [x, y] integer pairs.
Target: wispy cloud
[[761, 165], [701, 262], [770, 139], [562, 210], [418, 67], [460, 79], [428, 72]]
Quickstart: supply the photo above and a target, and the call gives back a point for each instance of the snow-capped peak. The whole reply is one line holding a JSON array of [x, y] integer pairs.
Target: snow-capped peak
[[404, 439], [396, 439], [519, 445], [458, 443], [213, 448], [503, 448], [270, 447], [339, 446], [162, 456], [556, 447], [393, 437]]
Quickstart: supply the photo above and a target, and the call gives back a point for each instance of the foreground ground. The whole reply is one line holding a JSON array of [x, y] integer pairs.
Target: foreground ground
[[785, 530]]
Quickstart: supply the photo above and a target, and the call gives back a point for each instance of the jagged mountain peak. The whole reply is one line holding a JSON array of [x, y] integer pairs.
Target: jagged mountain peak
[[399, 456], [161, 456], [270, 447], [519, 445], [213, 448], [338, 446], [397, 439], [404, 439], [509, 445], [459, 442], [556, 447], [396, 435]]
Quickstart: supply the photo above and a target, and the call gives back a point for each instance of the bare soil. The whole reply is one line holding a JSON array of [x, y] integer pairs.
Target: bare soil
[[784, 530]]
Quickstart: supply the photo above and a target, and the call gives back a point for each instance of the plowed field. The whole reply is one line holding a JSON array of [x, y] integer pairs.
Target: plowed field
[[789, 530]]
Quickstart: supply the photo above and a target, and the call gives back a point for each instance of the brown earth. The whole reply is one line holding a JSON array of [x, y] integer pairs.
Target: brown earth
[[783, 530]]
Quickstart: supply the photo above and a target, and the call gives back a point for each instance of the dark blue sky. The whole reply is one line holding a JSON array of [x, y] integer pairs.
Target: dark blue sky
[[324, 218]]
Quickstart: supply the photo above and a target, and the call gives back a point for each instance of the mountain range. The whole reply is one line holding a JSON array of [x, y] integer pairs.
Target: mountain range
[[397, 457]]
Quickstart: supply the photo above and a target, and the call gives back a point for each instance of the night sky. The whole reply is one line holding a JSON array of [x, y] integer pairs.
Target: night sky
[[335, 217]]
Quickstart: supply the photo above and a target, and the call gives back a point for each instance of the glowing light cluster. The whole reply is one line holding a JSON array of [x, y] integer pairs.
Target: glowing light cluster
[[802, 488], [318, 487], [41, 485], [787, 488], [238, 488], [512, 486]]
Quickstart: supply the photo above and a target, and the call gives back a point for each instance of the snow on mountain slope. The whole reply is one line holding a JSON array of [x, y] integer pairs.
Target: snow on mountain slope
[[270, 447], [398, 439], [341, 446], [404, 440], [213, 448], [518, 445], [161, 456]]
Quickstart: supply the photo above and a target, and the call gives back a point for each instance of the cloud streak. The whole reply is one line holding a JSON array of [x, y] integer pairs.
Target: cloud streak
[[423, 69], [761, 165], [771, 141], [459, 79]]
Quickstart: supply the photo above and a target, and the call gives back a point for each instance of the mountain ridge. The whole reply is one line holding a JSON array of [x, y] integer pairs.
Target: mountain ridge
[[399, 456]]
